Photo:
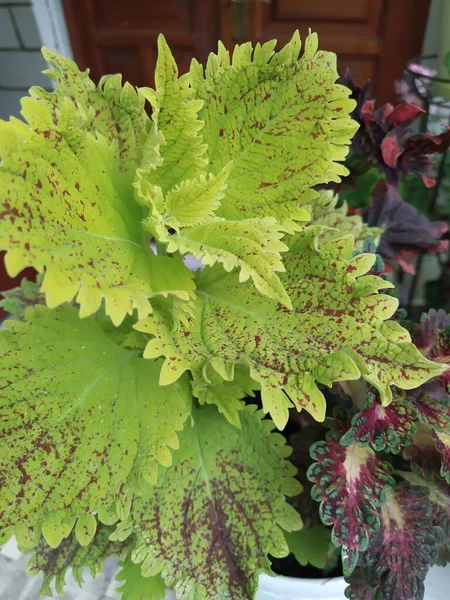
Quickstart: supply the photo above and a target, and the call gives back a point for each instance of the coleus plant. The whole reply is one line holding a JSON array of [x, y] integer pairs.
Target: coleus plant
[[128, 424], [388, 159]]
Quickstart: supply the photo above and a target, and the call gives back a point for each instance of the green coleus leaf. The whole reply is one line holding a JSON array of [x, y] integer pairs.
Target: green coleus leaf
[[311, 546], [137, 587], [182, 210], [252, 246], [326, 213], [55, 562], [399, 555], [384, 428], [335, 332], [83, 421], [67, 209], [213, 517], [111, 109], [350, 482], [251, 101], [225, 395], [181, 148], [17, 300]]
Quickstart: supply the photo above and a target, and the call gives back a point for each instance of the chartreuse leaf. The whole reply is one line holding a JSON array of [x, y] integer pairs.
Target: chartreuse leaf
[[384, 428], [350, 483], [137, 587], [335, 332], [175, 115], [399, 556], [213, 517], [116, 112], [311, 546], [225, 395], [324, 211], [281, 119], [252, 246], [182, 200], [83, 420], [67, 210], [55, 562]]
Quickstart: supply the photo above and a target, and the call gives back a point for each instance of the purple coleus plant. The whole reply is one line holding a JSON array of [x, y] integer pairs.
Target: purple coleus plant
[[386, 142], [406, 232], [386, 139], [382, 477]]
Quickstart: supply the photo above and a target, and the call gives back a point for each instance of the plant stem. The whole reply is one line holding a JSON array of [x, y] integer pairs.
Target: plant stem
[[161, 249]]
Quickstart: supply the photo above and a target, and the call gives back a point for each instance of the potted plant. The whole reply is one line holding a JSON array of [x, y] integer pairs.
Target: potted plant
[[140, 399]]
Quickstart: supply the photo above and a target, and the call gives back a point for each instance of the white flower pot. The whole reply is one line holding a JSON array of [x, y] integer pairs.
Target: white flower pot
[[437, 587]]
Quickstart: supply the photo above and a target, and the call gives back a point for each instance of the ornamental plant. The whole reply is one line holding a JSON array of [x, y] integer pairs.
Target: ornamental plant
[[140, 399]]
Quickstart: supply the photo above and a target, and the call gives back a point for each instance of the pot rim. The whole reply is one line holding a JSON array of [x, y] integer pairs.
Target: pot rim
[[314, 586]]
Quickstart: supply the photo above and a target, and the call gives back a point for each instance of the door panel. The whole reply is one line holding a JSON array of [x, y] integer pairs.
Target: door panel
[[374, 38], [116, 35]]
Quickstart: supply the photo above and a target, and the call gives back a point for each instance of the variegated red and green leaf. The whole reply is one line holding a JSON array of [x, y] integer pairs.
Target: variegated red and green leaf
[[439, 496], [384, 428], [429, 452], [358, 588], [350, 483], [401, 552], [432, 338], [432, 406]]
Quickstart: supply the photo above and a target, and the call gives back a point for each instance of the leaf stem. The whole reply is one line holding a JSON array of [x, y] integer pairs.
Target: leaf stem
[[160, 249]]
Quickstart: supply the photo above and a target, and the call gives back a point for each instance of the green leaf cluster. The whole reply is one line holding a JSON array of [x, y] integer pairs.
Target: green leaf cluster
[[122, 398]]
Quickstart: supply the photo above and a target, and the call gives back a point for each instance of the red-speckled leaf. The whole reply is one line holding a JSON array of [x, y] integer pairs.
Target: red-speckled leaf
[[212, 518], [67, 209], [399, 555], [383, 427], [114, 110], [336, 331], [83, 419], [282, 121], [55, 562], [350, 483]]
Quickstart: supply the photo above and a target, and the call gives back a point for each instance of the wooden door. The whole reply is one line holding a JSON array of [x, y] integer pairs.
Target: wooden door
[[374, 38], [119, 36]]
